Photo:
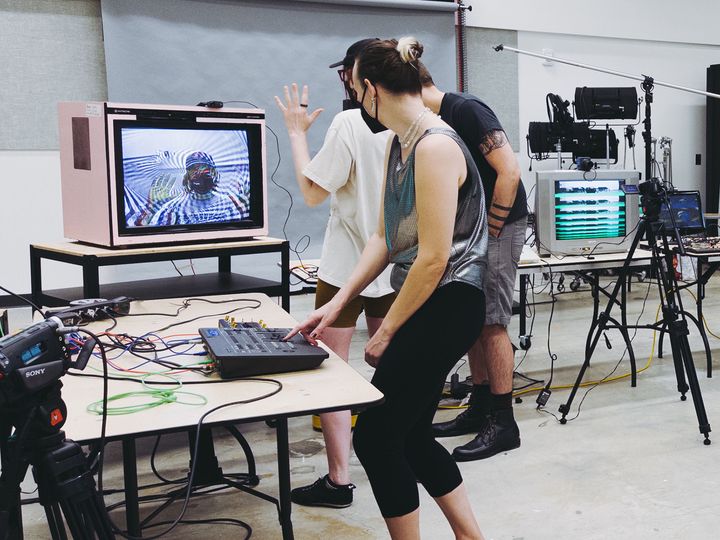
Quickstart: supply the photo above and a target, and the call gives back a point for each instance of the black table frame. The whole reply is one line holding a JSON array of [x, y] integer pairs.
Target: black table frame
[[703, 260], [223, 282], [283, 501]]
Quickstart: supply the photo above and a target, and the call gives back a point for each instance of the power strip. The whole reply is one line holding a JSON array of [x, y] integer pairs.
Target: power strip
[[94, 309]]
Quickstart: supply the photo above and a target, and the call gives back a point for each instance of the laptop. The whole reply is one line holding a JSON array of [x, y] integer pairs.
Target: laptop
[[686, 209]]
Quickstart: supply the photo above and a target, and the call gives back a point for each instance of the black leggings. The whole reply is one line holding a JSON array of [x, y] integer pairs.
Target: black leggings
[[394, 440]]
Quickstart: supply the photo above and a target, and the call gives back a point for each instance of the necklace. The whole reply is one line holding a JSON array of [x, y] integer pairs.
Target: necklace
[[413, 129]]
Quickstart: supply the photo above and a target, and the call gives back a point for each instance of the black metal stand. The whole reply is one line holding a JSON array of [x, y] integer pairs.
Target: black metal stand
[[208, 473], [66, 488], [674, 319]]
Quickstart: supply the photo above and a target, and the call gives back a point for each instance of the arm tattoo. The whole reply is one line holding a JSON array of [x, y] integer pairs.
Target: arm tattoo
[[492, 141]]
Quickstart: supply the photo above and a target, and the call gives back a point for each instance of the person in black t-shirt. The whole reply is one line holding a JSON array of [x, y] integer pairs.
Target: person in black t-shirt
[[489, 412]]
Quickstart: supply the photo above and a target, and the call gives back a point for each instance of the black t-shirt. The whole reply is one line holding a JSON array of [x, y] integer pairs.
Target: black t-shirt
[[474, 121]]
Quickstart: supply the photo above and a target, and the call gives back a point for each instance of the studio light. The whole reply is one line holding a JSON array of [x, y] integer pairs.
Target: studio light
[[606, 103]]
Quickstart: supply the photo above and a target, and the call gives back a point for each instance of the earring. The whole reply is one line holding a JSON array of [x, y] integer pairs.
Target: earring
[[372, 105]]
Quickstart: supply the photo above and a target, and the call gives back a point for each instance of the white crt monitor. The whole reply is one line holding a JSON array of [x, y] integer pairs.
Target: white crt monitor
[[135, 174], [578, 212]]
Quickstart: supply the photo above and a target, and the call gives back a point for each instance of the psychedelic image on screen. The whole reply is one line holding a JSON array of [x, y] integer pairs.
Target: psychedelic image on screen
[[196, 177]]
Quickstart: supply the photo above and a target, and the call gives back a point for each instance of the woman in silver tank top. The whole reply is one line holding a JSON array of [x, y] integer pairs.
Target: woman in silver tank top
[[433, 229]]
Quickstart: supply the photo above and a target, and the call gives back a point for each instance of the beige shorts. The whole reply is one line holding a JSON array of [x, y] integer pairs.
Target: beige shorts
[[373, 307]]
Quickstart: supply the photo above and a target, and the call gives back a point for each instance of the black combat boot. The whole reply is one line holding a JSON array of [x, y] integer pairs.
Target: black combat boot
[[500, 434]]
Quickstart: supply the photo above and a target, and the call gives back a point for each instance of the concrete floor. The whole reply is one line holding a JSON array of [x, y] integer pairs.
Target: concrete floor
[[631, 465]]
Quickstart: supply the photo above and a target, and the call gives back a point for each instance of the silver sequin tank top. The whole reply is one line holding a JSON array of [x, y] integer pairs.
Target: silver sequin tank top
[[468, 254]]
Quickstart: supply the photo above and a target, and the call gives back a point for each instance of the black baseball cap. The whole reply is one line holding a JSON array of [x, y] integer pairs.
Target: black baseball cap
[[353, 50]]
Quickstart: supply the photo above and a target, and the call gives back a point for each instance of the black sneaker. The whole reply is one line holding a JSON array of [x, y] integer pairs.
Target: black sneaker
[[323, 492], [464, 423], [500, 435]]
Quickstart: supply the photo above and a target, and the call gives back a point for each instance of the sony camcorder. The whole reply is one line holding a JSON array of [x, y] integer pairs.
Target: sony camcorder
[[35, 358]]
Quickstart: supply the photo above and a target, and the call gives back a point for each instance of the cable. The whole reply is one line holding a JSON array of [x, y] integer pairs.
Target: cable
[[296, 250], [257, 304], [545, 393], [196, 446], [98, 460], [34, 306], [703, 317], [157, 396], [219, 521], [608, 378], [176, 268], [592, 251], [154, 468], [104, 413]]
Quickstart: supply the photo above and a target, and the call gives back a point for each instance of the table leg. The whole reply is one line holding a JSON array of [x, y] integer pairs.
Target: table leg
[[283, 450], [36, 277], [623, 297], [523, 303], [91, 277], [132, 504], [285, 275], [224, 263]]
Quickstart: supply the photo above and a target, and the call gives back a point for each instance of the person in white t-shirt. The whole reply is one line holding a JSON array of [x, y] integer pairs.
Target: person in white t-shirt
[[349, 168]]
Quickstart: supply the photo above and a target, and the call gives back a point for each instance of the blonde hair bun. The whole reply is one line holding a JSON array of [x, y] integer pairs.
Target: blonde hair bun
[[410, 49]]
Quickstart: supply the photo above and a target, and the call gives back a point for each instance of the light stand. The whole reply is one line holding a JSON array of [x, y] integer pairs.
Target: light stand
[[674, 317], [648, 83]]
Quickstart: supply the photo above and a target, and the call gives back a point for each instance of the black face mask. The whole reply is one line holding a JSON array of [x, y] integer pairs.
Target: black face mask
[[372, 123], [349, 103]]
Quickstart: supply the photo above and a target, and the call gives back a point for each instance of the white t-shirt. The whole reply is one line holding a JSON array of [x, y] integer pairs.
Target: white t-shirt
[[350, 166]]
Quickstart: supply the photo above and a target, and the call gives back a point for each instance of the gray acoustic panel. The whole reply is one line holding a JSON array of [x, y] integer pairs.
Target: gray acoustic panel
[[50, 51], [493, 77], [187, 51]]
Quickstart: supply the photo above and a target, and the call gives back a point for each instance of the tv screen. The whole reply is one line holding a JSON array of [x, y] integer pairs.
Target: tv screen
[[589, 209], [686, 210], [194, 178]]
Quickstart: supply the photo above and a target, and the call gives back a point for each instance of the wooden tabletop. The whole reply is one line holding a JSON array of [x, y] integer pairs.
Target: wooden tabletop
[[80, 249], [581, 262], [332, 386]]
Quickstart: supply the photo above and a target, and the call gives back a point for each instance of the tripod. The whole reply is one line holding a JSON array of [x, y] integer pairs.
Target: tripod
[[673, 317], [66, 487]]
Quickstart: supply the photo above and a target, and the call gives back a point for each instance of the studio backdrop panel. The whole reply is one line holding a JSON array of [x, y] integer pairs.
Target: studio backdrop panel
[[189, 51], [50, 51]]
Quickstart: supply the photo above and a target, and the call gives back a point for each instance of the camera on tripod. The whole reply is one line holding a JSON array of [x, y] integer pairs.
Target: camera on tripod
[[652, 196], [32, 413], [35, 358]]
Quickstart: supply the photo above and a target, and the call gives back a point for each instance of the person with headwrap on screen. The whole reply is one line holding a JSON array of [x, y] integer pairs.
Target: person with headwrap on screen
[[204, 199]]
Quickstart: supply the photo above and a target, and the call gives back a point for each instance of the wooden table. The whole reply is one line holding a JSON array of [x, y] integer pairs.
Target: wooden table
[[331, 387], [577, 263], [91, 258]]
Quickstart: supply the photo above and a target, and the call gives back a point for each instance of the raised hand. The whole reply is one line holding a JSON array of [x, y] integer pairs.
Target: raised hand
[[161, 189], [295, 110]]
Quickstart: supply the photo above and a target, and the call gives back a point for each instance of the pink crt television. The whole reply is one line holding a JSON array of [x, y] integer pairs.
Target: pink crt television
[[157, 174]]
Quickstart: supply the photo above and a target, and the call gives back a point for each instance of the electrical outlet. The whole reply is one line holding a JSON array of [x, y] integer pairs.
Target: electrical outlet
[[698, 159]]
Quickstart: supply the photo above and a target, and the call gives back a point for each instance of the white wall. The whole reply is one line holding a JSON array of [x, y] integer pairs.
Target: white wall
[[672, 41], [660, 20], [678, 115], [31, 213]]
